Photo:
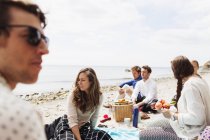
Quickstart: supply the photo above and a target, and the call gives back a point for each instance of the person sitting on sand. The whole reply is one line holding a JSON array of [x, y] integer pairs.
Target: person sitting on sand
[[193, 106], [126, 88], [83, 108], [145, 92], [84, 105], [196, 67]]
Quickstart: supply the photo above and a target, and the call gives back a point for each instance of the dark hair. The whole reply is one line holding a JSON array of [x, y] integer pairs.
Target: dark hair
[[6, 5], [136, 68], [182, 68], [87, 101], [146, 67]]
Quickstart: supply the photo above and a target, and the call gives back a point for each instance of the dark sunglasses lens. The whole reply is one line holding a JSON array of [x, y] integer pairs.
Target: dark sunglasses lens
[[46, 39], [34, 37]]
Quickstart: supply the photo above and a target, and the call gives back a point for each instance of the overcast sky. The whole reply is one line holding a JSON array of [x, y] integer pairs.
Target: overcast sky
[[126, 32]]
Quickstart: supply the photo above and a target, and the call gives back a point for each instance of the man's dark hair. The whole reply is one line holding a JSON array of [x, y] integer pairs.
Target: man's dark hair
[[146, 67], [6, 5]]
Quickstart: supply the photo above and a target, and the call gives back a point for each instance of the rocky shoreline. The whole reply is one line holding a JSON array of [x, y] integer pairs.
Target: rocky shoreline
[[40, 98]]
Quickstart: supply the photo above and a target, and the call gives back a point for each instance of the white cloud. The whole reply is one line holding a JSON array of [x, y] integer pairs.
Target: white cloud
[[126, 32]]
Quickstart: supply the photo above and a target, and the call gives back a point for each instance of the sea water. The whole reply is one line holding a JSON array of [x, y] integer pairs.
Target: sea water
[[54, 77]]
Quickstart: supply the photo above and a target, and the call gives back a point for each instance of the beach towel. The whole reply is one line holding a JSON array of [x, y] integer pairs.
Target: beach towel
[[59, 130], [122, 133]]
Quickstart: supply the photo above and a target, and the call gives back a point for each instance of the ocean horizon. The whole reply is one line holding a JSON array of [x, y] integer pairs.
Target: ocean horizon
[[55, 77]]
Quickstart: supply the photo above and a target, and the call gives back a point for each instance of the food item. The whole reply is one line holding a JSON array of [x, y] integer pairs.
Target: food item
[[173, 102], [162, 104], [158, 105], [166, 105], [121, 100], [162, 101], [105, 116]]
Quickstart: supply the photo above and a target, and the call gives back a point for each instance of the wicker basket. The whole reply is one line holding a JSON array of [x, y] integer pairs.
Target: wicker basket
[[122, 111]]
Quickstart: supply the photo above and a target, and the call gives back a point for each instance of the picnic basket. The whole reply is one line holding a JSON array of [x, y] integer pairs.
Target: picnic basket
[[121, 111]]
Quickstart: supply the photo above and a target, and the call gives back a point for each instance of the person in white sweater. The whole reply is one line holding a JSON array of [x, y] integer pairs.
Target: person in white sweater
[[196, 67], [193, 107]]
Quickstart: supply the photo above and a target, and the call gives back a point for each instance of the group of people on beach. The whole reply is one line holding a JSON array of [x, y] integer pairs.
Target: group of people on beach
[[22, 45], [143, 90], [191, 101]]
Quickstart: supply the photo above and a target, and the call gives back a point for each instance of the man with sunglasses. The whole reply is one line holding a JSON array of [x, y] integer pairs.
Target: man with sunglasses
[[22, 45]]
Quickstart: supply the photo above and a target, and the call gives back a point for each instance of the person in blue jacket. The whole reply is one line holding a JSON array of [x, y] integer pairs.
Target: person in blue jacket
[[136, 71], [126, 88]]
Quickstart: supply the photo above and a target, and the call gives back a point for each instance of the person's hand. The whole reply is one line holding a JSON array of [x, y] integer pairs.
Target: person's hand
[[129, 91], [135, 106], [121, 91], [152, 105], [167, 113]]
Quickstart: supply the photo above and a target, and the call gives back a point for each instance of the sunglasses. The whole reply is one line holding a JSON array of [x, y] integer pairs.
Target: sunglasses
[[34, 36]]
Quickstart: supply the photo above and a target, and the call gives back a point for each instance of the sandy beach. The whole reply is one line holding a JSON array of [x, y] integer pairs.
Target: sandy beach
[[53, 104]]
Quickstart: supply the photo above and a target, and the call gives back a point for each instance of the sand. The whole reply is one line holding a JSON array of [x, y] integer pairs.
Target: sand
[[53, 104]]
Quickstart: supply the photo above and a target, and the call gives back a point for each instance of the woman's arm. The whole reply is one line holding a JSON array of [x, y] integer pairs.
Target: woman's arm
[[76, 132], [191, 112], [195, 114], [94, 117], [73, 117]]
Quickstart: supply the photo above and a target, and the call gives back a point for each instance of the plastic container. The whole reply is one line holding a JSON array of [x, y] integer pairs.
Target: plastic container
[[127, 121], [135, 117]]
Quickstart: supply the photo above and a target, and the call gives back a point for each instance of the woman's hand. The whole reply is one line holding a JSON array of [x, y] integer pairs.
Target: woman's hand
[[138, 104], [75, 130], [135, 106], [167, 113]]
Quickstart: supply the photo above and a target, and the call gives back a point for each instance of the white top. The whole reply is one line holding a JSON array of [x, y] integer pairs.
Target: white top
[[77, 117], [18, 119], [147, 88], [193, 108]]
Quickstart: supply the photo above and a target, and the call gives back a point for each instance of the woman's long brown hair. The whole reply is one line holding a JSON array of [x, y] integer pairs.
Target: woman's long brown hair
[[182, 68], [87, 101]]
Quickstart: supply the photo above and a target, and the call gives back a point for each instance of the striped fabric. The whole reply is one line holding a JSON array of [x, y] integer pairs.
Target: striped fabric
[[61, 131], [91, 134], [159, 130]]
